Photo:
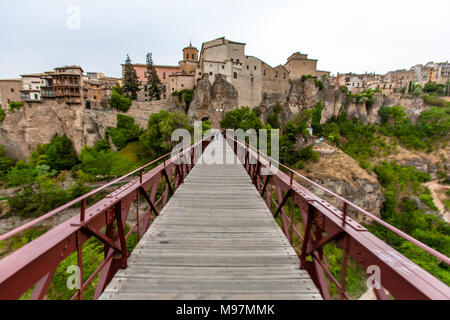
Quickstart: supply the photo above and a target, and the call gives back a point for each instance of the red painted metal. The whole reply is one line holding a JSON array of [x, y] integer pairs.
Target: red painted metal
[[323, 223], [36, 262]]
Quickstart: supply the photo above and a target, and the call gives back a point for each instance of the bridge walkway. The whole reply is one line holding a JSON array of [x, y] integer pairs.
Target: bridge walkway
[[215, 239]]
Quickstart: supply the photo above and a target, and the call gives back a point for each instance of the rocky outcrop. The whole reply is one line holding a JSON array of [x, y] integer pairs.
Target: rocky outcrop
[[208, 99], [342, 175], [35, 123]]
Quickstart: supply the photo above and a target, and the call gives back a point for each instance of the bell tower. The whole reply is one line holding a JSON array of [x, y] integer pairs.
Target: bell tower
[[190, 53], [190, 60]]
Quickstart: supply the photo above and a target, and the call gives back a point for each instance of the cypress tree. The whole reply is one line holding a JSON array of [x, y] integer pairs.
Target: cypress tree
[[131, 83], [154, 85]]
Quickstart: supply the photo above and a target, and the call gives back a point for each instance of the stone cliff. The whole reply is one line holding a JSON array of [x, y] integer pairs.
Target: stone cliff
[[36, 123], [212, 101], [342, 174]]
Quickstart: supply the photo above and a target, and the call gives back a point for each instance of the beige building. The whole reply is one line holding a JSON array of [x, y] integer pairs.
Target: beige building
[[253, 78], [185, 77], [31, 87], [299, 65], [9, 91]]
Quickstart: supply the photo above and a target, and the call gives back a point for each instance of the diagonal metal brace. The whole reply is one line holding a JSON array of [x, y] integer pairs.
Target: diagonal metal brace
[[286, 196], [266, 182], [100, 236], [168, 181], [324, 241], [142, 191]]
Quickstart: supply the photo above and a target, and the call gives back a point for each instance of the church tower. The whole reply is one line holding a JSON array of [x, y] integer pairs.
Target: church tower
[[190, 60]]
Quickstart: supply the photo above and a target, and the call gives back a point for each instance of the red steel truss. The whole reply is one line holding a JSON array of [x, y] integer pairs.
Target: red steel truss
[[323, 223], [35, 263]]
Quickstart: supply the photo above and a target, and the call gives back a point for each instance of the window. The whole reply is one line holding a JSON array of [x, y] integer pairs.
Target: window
[[12, 89], [276, 74], [254, 68], [9, 101], [95, 97], [237, 60], [284, 75], [248, 67], [264, 73], [235, 75], [182, 85], [192, 56], [145, 87], [232, 59], [35, 96], [210, 73], [223, 66], [187, 56], [164, 75], [251, 79]]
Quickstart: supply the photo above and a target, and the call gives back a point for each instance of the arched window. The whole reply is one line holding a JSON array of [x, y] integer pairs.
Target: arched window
[[235, 75], [192, 56]]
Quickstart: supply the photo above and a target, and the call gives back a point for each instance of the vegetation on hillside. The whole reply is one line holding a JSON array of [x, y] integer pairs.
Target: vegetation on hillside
[[119, 101]]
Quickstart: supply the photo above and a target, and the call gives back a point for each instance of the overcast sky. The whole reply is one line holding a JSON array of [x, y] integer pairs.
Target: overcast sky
[[345, 35]]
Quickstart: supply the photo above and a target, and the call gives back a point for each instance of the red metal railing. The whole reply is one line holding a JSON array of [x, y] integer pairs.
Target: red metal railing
[[35, 263], [323, 224]]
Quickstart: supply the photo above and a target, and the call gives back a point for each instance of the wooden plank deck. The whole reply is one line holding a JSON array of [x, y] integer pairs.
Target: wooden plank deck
[[215, 239]]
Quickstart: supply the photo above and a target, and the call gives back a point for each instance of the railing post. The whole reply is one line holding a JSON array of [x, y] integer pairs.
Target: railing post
[[83, 210]]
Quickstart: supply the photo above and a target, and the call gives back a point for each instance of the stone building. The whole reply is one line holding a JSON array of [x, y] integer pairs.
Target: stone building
[[185, 78], [163, 72], [9, 91], [253, 78], [31, 87], [299, 65], [396, 80]]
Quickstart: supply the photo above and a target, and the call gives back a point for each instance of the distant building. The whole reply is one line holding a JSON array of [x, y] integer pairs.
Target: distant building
[[163, 73], [31, 87], [9, 91], [185, 78], [299, 65]]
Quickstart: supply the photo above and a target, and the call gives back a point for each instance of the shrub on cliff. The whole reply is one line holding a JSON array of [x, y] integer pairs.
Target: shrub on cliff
[[156, 141], [241, 118], [15, 105], [59, 154], [118, 101], [2, 115], [6, 163], [125, 131]]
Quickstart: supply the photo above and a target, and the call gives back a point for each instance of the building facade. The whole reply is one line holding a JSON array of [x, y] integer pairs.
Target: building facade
[[299, 65], [9, 92], [31, 87]]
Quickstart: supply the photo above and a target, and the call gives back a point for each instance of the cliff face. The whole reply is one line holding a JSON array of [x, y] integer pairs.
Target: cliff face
[[36, 123], [209, 98], [341, 174], [22, 130]]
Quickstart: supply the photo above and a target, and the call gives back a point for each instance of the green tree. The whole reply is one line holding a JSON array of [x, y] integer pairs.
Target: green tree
[[241, 118], [118, 101], [154, 84], [125, 131], [156, 141], [59, 152], [131, 83], [6, 163]]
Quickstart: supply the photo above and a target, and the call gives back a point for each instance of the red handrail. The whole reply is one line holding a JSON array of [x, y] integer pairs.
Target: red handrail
[[85, 196], [402, 234]]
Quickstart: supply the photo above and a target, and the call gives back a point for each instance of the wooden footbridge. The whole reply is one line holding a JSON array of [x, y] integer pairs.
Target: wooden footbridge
[[217, 220], [215, 239]]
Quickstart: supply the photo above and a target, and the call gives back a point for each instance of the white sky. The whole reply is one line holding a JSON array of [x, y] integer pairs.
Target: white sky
[[345, 35]]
